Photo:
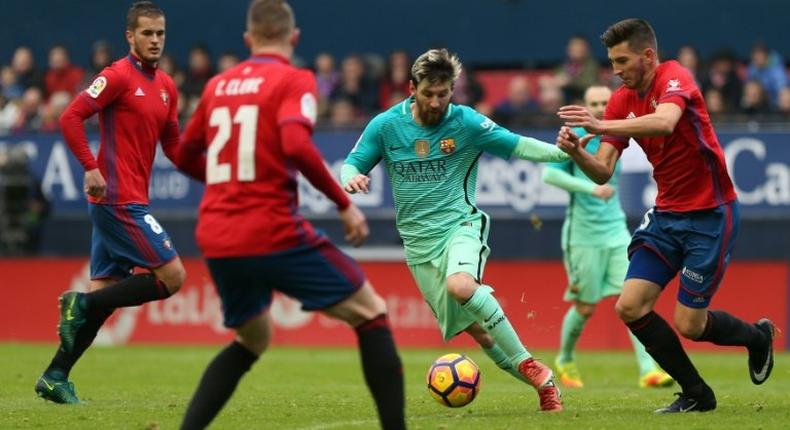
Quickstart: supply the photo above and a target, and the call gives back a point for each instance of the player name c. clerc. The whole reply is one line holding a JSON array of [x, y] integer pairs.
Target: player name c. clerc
[[235, 87]]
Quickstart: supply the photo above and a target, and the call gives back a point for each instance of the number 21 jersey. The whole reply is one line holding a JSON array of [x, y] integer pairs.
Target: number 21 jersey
[[250, 203]]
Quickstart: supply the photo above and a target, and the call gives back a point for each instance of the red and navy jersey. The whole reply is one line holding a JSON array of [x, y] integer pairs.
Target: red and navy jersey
[[137, 108], [250, 202], [688, 164]]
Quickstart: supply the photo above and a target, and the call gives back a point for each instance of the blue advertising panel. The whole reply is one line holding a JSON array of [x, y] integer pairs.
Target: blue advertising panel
[[758, 162]]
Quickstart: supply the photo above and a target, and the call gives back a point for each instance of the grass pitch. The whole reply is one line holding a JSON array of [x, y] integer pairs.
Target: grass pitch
[[148, 387]]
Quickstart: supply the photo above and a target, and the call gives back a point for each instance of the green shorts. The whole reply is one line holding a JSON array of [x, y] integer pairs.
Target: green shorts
[[595, 273], [466, 251]]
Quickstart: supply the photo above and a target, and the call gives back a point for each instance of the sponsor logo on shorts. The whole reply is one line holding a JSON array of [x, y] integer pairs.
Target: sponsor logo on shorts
[[692, 275]]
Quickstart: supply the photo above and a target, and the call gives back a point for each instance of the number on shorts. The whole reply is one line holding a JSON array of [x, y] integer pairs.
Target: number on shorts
[[151, 221], [247, 118]]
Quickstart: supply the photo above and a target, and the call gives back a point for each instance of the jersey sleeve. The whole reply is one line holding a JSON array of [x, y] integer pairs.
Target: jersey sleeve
[[104, 89], [190, 153], [487, 135], [170, 132], [367, 152], [615, 110], [675, 85], [299, 100]]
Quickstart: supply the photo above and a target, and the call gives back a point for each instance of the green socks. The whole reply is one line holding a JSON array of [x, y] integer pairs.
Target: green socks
[[572, 326], [643, 359], [498, 356], [491, 317]]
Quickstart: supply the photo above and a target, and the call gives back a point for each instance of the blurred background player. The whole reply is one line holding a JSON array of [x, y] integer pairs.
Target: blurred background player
[[254, 124], [693, 226], [136, 103], [595, 239], [431, 150]]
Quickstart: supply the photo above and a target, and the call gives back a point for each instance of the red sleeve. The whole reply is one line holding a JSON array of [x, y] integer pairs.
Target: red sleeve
[[299, 149], [190, 153], [615, 110], [101, 92], [170, 133], [298, 103], [675, 85]]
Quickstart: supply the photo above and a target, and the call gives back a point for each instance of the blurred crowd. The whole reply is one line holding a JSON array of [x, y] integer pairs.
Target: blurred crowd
[[354, 88]]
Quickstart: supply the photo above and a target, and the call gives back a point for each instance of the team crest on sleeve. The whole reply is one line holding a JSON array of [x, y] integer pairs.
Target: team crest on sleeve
[[97, 86], [673, 85], [422, 147], [447, 146], [309, 107], [165, 96]]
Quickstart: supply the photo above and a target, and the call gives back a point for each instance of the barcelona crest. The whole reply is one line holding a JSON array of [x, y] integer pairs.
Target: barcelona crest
[[422, 148], [447, 146]]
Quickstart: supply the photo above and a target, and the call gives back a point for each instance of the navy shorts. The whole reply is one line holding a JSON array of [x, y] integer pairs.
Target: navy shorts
[[125, 237], [697, 244], [318, 275]]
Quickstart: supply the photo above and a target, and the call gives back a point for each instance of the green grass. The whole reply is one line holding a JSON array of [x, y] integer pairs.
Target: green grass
[[147, 387]]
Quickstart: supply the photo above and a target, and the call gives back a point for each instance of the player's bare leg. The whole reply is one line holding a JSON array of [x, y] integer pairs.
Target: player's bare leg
[[223, 374], [479, 302], [366, 312]]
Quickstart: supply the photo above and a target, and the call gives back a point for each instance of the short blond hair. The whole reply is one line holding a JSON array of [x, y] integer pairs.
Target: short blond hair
[[270, 20], [436, 65]]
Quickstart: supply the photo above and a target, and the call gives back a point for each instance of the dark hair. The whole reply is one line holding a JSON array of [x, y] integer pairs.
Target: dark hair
[[269, 19], [637, 32], [142, 8]]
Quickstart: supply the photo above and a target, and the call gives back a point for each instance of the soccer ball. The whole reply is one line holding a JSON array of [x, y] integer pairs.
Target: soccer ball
[[454, 380]]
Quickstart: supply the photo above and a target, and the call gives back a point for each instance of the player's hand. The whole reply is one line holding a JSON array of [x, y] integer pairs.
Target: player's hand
[[569, 142], [355, 225], [358, 184], [95, 186], [579, 116], [603, 192]]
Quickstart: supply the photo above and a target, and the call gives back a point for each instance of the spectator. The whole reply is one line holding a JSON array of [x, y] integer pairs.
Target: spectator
[[723, 77], [754, 100], [29, 116], [394, 85], [715, 101], [62, 75], [355, 86], [579, 71], [327, 79], [469, 92], [50, 113], [9, 111], [26, 72], [518, 106], [343, 114], [199, 72], [688, 58], [226, 61], [784, 103], [11, 89], [168, 65], [551, 96], [101, 57], [767, 67]]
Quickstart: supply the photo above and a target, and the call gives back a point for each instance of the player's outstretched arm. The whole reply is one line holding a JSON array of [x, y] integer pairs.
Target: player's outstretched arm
[[536, 150], [660, 123], [598, 167]]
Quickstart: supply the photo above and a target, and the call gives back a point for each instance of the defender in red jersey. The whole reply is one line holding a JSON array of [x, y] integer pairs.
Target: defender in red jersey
[[136, 103], [252, 131], [693, 226]]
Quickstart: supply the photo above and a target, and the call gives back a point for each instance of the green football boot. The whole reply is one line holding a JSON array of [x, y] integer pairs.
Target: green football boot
[[57, 390], [72, 317]]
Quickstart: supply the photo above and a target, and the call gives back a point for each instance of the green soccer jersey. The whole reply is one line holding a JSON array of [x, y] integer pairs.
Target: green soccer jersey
[[433, 170], [590, 221]]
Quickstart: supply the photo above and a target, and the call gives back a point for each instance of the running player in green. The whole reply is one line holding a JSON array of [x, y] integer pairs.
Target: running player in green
[[430, 148], [595, 239]]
